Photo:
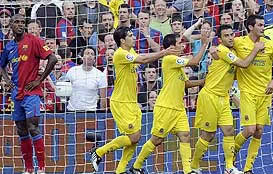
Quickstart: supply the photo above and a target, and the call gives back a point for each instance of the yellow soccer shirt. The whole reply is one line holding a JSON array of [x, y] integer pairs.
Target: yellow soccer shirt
[[125, 87], [221, 72], [174, 77], [256, 77], [114, 6]]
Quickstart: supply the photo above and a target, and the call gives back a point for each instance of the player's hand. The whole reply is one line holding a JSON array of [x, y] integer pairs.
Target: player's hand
[[269, 89], [172, 51], [32, 85], [214, 52], [259, 46]]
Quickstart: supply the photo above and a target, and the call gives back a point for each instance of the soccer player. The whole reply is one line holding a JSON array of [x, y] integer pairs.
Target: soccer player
[[24, 54], [213, 108], [123, 102], [256, 88], [169, 111]]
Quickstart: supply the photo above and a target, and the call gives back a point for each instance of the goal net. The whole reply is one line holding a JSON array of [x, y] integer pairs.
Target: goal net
[[67, 29]]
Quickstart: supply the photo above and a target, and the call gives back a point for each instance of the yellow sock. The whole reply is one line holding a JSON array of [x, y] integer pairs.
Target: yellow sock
[[228, 146], [127, 154], [253, 150], [146, 150], [185, 153], [115, 144], [239, 142], [200, 148]]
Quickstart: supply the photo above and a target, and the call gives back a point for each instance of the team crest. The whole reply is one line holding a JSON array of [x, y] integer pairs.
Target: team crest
[[180, 61], [25, 47], [130, 126], [130, 57], [246, 118], [231, 56], [46, 48], [161, 131]]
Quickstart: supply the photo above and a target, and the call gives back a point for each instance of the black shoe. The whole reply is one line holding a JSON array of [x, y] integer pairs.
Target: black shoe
[[136, 171], [193, 172], [248, 172], [95, 159]]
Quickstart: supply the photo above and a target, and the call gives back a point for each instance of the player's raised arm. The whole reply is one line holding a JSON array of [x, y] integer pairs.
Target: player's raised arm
[[244, 63], [205, 41], [151, 57]]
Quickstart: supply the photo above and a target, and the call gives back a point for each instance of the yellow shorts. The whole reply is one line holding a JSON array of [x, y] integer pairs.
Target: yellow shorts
[[127, 117], [212, 110], [168, 120], [254, 109]]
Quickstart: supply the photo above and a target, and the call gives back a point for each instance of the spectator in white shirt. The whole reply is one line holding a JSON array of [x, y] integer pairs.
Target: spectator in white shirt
[[88, 84]]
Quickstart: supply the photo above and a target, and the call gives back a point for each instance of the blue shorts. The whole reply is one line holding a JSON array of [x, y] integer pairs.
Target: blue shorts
[[26, 108]]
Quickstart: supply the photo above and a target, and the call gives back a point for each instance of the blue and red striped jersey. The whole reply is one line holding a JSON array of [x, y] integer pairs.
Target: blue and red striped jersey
[[24, 57], [142, 45]]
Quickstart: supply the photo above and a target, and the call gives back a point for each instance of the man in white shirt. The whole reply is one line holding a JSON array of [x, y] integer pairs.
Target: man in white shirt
[[88, 84]]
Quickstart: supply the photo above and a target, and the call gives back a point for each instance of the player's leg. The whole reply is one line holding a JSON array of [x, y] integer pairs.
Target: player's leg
[[206, 119], [182, 131], [19, 117], [229, 146], [145, 152], [262, 119], [128, 151], [247, 119], [32, 108], [164, 121], [128, 119], [201, 148]]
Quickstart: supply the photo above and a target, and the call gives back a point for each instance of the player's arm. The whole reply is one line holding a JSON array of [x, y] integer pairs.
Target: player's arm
[[193, 83], [196, 59], [151, 57], [244, 63], [52, 60]]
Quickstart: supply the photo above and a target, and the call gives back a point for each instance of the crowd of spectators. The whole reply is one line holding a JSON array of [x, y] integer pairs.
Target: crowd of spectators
[[80, 33]]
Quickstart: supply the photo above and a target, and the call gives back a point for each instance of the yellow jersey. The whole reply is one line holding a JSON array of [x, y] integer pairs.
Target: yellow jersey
[[256, 77], [125, 86], [113, 6], [221, 72], [174, 77]]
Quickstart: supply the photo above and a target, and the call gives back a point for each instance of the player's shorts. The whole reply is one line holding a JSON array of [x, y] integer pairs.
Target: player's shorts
[[254, 109], [127, 117], [26, 108], [168, 120], [212, 110]]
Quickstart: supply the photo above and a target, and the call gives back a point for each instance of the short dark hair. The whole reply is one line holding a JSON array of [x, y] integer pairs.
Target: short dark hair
[[15, 17], [144, 10], [85, 48], [64, 52], [207, 22], [176, 17], [227, 14], [170, 39], [36, 21], [84, 20], [251, 20], [120, 33], [126, 6], [223, 27]]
